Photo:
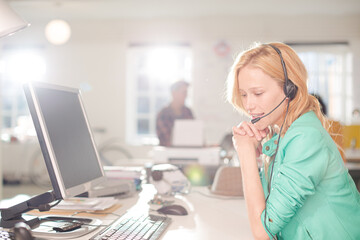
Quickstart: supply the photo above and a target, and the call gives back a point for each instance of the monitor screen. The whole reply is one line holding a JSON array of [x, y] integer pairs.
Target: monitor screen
[[65, 138], [188, 133]]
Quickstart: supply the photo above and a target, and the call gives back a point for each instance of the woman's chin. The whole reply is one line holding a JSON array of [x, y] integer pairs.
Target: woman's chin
[[261, 126]]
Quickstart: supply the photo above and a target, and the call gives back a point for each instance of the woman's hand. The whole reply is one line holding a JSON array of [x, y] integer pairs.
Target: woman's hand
[[246, 135], [247, 128]]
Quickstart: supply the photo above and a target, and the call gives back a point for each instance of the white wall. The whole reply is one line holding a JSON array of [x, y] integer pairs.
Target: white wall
[[96, 54]]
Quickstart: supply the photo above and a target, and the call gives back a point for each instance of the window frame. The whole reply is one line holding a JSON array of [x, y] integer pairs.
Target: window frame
[[133, 94], [11, 87], [340, 109]]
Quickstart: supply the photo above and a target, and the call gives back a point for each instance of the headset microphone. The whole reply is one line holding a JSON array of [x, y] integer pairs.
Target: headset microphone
[[255, 120]]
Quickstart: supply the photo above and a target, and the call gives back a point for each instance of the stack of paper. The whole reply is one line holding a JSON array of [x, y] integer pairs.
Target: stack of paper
[[86, 204], [119, 172], [136, 174]]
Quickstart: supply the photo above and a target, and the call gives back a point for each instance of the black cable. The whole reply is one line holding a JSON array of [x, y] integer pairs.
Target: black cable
[[57, 202], [272, 169], [255, 120], [45, 207], [82, 224], [38, 207]]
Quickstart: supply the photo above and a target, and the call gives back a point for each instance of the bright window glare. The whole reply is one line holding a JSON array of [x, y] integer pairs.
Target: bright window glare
[[2, 66], [162, 63], [24, 66], [330, 70], [151, 69]]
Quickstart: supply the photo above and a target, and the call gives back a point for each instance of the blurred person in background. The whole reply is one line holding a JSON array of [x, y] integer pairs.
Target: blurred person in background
[[175, 110]]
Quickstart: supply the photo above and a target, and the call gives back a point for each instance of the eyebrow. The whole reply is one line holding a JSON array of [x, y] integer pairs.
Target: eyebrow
[[253, 88]]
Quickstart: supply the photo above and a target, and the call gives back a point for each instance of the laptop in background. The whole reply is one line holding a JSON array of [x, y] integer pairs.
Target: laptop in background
[[188, 133]]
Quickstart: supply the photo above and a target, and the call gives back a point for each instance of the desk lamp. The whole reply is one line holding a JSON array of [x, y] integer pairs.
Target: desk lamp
[[10, 21]]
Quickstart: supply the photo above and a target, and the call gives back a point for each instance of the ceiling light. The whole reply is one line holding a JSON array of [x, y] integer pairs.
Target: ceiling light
[[57, 32]]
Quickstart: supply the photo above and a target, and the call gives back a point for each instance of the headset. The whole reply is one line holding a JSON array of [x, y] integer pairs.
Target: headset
[[290, 90]]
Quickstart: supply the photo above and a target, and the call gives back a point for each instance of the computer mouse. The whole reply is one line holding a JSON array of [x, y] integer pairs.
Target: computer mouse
[[173, 210], [22, 231]]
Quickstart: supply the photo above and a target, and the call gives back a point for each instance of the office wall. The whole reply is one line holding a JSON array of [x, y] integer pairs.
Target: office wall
[[96, 56]]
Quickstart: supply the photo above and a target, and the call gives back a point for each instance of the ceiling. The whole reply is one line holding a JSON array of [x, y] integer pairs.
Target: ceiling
[[111, 9]]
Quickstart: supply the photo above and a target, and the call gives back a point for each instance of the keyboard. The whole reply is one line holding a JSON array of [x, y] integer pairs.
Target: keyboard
[[136, 227]]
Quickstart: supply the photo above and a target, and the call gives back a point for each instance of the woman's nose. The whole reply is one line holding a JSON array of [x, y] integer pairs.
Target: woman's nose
[[249, 104]]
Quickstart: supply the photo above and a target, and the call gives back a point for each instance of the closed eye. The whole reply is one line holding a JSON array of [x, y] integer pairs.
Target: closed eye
[[258, 94], [242, 94]]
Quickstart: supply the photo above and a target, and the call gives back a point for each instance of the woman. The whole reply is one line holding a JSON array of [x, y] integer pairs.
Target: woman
[[304, 190]]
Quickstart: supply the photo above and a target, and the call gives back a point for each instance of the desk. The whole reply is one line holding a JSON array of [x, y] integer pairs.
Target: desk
[[209, 218]]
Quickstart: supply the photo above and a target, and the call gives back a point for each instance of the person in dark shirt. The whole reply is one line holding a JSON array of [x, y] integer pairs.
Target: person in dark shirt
[[322, 104], [175, 110]]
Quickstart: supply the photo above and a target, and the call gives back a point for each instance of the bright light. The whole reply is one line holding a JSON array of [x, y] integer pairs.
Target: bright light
[[24, 66], [196, 174], [57, 32], [163, 64], [2, 66]]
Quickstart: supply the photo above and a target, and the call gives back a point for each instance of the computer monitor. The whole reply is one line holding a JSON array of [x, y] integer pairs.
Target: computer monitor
[[188, 133], [67, 146]]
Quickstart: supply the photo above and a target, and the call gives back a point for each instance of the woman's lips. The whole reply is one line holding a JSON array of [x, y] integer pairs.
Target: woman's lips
[[253, 116]]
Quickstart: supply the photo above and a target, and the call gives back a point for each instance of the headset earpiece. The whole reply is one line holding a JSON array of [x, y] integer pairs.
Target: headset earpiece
[[290, 89]]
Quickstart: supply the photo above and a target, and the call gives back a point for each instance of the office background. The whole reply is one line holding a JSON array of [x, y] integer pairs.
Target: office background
[[95, 57]]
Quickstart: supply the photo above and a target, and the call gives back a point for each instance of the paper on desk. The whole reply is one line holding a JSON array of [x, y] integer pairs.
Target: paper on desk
[[86, 204]]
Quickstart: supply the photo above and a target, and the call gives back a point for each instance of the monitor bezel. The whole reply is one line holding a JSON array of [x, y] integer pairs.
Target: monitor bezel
[[60, 191]]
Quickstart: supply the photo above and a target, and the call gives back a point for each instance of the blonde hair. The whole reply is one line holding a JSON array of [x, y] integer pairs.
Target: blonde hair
[[264, 57]]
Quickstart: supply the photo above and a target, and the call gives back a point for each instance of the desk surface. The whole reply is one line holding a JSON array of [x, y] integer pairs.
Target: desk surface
[[209, 217]]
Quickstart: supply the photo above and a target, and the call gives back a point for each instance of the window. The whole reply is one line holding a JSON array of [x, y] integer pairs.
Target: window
[[329, 69], [18, 65], [151, 69]]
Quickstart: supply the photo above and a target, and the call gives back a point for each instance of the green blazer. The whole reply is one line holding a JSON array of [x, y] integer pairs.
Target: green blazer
[[312, 195]]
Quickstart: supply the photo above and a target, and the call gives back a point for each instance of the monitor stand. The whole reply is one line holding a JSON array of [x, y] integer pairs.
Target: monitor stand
[[48, 222], [14, 214]]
